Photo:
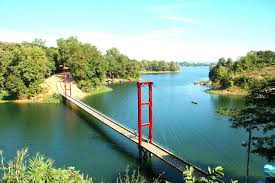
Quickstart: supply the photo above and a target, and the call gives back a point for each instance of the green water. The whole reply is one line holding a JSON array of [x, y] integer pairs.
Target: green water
[[72, 138]]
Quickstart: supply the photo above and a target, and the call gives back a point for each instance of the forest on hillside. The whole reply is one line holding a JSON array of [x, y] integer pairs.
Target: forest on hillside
[[147, 65], [24, 66], [247, 72], [194, 64]]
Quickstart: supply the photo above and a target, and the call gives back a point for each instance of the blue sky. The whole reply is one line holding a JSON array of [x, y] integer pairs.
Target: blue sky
[[195, 30]]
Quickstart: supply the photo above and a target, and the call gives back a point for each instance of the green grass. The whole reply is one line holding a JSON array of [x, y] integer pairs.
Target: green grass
[[101, 89], [232, 91], [54, 98]]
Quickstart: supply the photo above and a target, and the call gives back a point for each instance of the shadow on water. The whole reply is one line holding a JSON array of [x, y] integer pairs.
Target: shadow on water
[[144, 168], [147, 169], [225, 101]]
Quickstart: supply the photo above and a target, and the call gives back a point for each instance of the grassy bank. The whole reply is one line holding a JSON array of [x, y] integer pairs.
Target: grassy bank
[[158, 72], [233, 91], [101, 89]]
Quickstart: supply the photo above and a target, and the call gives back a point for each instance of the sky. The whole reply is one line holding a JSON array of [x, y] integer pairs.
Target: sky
[[178, 30]]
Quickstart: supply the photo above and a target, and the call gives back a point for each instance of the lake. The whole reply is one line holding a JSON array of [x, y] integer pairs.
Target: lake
[[193, 131]]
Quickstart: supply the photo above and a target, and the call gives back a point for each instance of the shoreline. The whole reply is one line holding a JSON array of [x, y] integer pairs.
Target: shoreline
[[203, 83], [50, 95], [228, 92], [56, 97], [50, 92], [232, 91], [159, 72]]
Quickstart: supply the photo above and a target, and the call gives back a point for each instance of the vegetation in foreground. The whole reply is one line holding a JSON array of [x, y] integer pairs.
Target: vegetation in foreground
[[40, 169], [244, 74], [24, 66], [37, 169]]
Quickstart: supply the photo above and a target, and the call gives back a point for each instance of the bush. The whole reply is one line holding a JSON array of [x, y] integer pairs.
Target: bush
[[37, 169]]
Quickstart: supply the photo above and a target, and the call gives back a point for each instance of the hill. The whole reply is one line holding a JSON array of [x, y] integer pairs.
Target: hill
[[240, 76]]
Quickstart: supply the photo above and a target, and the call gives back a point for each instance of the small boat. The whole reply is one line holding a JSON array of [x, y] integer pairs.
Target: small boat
[[194, 102]]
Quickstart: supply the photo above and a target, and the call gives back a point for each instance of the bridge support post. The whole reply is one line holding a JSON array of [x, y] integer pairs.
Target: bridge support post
[[67, 79], [143, 154], [140, 104]]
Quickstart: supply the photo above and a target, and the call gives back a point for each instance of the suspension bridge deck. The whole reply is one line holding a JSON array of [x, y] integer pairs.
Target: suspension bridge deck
[[160, 152]]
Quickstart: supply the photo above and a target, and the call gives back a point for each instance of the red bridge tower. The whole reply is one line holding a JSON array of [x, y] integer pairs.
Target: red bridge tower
[[140, 104], [67, 81]]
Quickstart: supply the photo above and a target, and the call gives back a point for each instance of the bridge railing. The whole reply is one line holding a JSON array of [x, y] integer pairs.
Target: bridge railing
[[168, 149], [96, 111]]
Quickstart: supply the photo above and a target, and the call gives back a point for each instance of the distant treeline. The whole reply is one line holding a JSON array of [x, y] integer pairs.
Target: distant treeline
[[147, 65], [23, 66], [194, 64], [247, 72]]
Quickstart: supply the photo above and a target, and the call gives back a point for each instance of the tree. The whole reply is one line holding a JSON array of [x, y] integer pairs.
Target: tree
[[39, 42], [119, 65], [238, 72], [259, 115], [86, 62], [27, 69], [146, 65], [5, 59], [52, 55], [7, 51], [229, 63]]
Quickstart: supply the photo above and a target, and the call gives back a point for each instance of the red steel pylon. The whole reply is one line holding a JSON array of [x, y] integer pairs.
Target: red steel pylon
[[140, 104], [67, 79]]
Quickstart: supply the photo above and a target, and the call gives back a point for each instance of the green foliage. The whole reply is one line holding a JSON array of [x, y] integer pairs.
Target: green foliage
[[119, 65], [52, 55], [226, 74], [258, 115], [187, 64], [154, 65], [135, 177], [39, 42], [215, 175], [7, 51], [54, 98], [23, 68], [37, 169], [86, 62]]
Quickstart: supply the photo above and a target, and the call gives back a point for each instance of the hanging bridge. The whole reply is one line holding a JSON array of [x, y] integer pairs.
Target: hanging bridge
[[146, 146]]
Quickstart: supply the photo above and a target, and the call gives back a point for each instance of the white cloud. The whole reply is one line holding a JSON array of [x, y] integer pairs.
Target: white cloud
[[15, 36], [157, 44]]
